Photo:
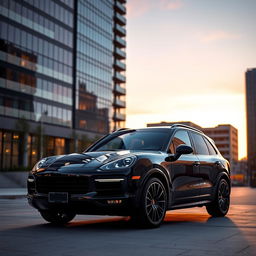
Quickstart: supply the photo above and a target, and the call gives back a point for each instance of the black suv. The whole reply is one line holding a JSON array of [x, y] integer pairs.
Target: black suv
[[133, 172]]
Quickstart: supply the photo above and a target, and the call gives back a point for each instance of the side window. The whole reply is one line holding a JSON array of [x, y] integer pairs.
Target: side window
[[201, 147], [210, 147], [180, 137]]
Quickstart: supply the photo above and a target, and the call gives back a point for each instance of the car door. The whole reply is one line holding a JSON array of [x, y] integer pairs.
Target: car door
[[208, 160], [184, 172], [210, 175]]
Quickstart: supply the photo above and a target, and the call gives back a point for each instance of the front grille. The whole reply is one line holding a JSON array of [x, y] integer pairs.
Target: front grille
[[71, 184]]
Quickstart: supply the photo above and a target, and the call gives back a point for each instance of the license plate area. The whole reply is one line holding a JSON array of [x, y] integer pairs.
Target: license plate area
[[58, 197]]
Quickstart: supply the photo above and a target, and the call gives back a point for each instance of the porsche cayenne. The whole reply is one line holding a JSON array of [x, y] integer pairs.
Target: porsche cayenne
[[140, 173]]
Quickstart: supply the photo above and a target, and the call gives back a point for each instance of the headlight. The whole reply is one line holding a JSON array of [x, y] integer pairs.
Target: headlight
[[119, 164]]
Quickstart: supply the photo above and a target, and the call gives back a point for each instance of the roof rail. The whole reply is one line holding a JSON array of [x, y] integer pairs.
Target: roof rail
[[121, 129], [185, 126]]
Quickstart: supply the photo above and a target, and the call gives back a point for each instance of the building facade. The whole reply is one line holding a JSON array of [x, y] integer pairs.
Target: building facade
[[239, 175], [250, 77], [163, 123], [62, 83], [225, 137]]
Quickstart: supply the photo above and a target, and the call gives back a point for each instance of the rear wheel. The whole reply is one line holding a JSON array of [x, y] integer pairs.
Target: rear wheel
[[153, 205], [58, 217], [220, 206]]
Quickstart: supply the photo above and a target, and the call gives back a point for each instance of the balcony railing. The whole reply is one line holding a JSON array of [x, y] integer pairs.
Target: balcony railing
[[119, 117], [119, 53], [119, 90], [119, 65], [119, 77], [120, 42], [121, 20], [119, 103], [120, 8], [119, 30]]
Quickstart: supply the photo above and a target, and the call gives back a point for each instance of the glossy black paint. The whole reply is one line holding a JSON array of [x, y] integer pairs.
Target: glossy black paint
[[190, 180]]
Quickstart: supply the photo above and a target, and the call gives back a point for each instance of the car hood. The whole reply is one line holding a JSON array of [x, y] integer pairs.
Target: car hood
[[80, 162]]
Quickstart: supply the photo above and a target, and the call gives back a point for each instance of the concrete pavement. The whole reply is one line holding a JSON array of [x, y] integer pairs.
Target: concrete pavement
[[12, 193], [184, 232], [13, 179]]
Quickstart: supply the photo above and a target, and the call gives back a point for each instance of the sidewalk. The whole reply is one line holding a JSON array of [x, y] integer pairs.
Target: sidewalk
[[12, 193]]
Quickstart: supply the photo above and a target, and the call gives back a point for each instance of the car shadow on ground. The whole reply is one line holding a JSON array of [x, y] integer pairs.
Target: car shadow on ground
[[123, 223]]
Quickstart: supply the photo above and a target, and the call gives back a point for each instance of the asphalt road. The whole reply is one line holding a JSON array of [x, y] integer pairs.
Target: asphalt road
[[184, 232]]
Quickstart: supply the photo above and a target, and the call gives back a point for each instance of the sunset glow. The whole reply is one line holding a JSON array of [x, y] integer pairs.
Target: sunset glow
[[186, 61]]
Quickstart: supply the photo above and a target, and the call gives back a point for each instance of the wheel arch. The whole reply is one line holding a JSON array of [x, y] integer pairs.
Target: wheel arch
[[222, 175], [155, 172]]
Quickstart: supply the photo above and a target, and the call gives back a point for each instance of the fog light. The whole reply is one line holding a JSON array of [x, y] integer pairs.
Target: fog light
[[114, 201], [31, 179]]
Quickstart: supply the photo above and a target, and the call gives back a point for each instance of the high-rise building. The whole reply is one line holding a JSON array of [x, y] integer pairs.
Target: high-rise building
[[225, 137], [250, 77], [62, 75]]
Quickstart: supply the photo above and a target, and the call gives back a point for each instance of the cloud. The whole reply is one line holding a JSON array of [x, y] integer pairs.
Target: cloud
[[136, 8], [218, 35]]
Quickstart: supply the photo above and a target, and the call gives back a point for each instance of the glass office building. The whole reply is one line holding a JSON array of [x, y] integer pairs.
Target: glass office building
[[58, 69], [250, 77]]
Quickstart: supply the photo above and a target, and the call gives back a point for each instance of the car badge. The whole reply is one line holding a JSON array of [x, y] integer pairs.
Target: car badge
[[67, 163]]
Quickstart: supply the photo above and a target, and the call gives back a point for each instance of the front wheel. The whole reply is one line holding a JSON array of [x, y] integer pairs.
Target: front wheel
[[220, 206], [153, 205], [58, 218]]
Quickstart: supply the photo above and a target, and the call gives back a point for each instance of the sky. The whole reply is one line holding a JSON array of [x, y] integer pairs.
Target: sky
[[186, 61]]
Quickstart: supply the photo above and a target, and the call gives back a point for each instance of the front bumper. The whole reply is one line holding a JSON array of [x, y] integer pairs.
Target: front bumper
[[81, 204], [102, 196]]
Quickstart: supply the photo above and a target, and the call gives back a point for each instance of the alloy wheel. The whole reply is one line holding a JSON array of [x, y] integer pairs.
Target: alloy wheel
[[223, 196], [155, 202]]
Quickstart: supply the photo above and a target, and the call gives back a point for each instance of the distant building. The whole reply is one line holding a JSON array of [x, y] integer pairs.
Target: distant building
[[171, 123], [239, 175], [250, 77], [62, 76], [224, 135], [226, 139]]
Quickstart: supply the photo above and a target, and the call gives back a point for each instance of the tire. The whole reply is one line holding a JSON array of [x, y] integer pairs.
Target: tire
[[220, 206], [58, 218], [152, 206]]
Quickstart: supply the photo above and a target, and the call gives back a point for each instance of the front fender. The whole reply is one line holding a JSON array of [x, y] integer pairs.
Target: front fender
[[154, 172]]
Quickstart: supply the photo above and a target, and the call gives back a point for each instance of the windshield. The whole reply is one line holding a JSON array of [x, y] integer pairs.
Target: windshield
[[137, 140]]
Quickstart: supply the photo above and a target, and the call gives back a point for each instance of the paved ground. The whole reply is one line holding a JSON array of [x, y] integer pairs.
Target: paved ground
[[185, 232], [12, 193]]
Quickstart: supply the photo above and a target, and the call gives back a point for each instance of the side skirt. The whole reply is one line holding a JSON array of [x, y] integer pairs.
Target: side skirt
[[189, 205]]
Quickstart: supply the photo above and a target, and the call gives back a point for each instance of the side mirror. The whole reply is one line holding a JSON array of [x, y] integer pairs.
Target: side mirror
[[180, 150]]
